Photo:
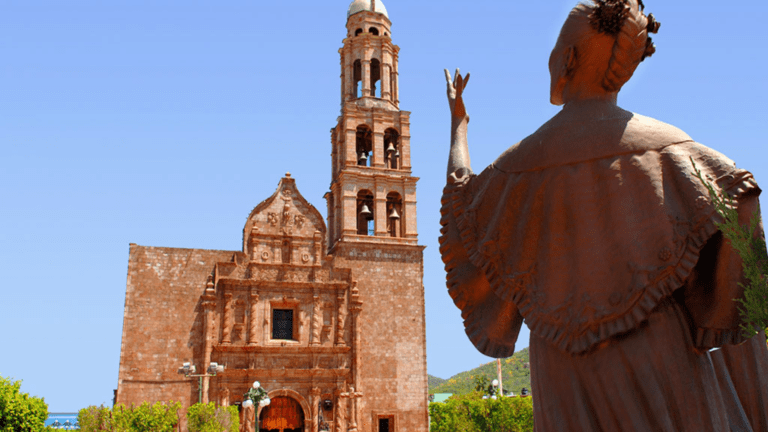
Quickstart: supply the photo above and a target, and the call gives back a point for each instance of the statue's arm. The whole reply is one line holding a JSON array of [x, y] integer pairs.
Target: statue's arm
[[458, 158]]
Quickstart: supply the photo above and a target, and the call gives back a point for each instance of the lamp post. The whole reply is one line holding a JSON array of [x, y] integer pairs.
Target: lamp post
[[188, 370], [492, 389], [256, 395]]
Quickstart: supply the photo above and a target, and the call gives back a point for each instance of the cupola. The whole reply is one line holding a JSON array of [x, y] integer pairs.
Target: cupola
[[367, 5]]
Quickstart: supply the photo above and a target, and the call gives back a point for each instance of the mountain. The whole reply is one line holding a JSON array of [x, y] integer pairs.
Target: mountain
[[515, 374], [434, 381]]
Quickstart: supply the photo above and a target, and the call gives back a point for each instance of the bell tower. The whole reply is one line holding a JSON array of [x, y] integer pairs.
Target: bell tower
[[372, 231], [373, 195]]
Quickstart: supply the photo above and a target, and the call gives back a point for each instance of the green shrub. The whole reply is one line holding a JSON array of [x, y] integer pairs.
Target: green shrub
[[20, 412], [210, 418], [95, 418], [159, 417]]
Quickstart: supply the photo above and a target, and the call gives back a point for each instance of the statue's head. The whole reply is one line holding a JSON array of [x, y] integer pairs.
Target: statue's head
[[600, 46]]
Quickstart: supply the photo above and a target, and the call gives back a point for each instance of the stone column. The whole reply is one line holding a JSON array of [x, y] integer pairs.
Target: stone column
[[350, 143], [224, 397], [378, 150], [248, 421], [395, 77], [253, 324], [317, 321], [356, 306], [349, 75], [386, 77], [340, 418], [314, 407], [209, 306], [226, 333], [341, 318], [353, 396], [366, 76]]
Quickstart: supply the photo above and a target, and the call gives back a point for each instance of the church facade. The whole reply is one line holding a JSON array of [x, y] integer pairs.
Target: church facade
[[328, 318]]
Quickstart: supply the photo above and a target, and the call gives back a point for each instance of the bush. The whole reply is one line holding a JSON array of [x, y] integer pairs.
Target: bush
[[18, 411], [159, 417], [95, 418], [471, 413], [210, 418]]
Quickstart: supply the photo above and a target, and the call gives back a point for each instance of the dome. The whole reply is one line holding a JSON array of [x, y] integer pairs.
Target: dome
[[367, 5]]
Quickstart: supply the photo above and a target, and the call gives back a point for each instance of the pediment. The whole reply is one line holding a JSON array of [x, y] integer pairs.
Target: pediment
[[285, 214]]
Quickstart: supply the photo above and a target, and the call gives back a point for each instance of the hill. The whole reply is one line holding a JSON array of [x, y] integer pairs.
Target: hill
[[515, 374], [434, 381]]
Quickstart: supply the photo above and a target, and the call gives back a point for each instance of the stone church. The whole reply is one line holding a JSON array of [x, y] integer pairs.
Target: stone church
[[328, 317]]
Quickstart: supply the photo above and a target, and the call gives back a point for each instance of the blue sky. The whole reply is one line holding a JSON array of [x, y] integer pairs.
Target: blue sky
[[165, 123]]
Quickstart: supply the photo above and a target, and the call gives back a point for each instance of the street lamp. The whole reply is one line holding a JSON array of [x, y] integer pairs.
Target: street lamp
[[188, 370], [256, 394]]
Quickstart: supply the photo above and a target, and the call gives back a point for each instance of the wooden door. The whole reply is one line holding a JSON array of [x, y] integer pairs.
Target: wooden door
[[283, 414]]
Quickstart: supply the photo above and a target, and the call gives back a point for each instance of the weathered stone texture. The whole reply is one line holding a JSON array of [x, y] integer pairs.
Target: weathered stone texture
[[393, 376], [160, 321]]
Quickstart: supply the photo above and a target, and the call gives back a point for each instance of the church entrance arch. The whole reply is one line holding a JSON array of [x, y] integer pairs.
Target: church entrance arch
[[285, 413]]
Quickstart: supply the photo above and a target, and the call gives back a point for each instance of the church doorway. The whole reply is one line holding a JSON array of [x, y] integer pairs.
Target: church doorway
[[283, 414]]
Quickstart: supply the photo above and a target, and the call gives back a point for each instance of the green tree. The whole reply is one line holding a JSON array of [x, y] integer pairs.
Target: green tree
[[210, 418], [20, 412], [471, 413]]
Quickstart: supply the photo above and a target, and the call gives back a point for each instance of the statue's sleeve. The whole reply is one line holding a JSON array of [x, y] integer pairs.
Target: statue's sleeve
[[717, 280], [491, 323]]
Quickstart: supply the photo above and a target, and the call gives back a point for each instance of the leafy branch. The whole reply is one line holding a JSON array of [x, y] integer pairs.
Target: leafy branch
[[750, 245]]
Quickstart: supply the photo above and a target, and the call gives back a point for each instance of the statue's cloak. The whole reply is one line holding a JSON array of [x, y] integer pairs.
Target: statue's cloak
[[583, 233]]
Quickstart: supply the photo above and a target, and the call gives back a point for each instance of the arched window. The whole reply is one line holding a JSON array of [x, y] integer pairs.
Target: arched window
[[363, 145], [375, 76], [392, 148], [394, 214], [365, 211], [358, 31], [374, 31], [356, 78]]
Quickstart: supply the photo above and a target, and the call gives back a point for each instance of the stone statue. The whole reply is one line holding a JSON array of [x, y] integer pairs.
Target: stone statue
[[596, 231]]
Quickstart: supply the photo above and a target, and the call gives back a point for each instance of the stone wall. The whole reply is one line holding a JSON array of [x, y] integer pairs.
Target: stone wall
[[162, 322], [392, 368]]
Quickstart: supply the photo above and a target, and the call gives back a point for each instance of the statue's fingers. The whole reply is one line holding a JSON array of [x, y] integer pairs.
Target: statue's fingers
[[466, 80], [459, 83], [448, 76], [457, 75]]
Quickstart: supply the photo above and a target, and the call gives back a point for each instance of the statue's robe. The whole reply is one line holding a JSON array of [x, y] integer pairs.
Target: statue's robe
[[604, 240]]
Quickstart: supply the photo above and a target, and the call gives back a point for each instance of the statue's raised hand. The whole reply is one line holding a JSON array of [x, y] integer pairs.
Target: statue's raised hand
[[455, 90]]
